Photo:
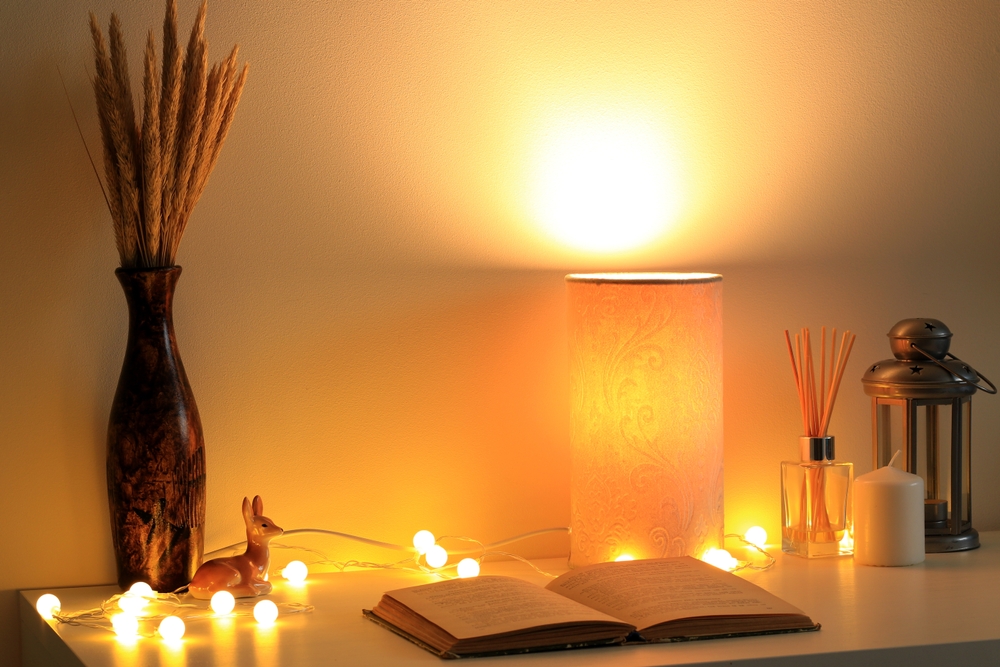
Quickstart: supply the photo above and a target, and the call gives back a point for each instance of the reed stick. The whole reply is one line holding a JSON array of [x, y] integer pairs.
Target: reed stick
[[816, 415], [798, 383], [835, 387]]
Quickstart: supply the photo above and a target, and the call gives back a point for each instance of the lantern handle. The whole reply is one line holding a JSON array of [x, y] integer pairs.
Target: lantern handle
[[991, 390]]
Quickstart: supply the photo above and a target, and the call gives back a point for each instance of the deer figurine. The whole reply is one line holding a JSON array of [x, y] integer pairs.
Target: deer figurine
[[245, 575]]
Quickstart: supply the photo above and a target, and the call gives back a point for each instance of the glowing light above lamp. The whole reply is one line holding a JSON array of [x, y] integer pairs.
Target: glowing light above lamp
[[47, 605], [223, 603], [646, 415], [605, 185], [266, 612]]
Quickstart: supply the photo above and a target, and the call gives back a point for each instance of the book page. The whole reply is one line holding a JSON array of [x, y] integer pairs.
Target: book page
[[480, 606], [648, 592]]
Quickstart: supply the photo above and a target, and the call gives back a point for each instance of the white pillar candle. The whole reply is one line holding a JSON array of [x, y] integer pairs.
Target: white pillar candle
[[888, 518]]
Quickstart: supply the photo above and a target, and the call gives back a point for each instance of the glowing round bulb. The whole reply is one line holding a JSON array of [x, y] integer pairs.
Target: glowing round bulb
[[172, 628], [295, 572], [125, 625], [223, 603], [423, 541], [142, 589], [468, 567], [266, 612], [130, 603], [756, 536], [721, 559], [624, 557], [47, 605], [437, 556]]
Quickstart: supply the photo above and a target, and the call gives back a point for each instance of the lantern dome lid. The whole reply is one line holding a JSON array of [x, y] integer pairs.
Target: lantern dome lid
[[915, 338], [897, 378], [919, 327]]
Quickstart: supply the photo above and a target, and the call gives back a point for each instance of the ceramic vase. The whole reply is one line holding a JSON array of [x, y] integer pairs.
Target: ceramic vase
[[156, 454]]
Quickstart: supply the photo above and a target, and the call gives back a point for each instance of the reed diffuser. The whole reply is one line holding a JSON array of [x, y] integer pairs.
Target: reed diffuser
[[816, 490]]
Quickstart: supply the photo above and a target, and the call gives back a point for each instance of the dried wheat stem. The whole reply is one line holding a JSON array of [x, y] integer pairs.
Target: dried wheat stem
[[156, 173], [230, 112], [169, 101], [190, 132], [126, 136], [209, 126], [151, 173], [102, 68]]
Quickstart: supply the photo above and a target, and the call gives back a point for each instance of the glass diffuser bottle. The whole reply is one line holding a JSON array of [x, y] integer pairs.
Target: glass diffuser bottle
[[816, 512], [816, 501]]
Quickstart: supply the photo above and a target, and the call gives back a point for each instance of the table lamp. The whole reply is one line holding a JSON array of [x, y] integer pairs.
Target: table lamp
[[646, 415]]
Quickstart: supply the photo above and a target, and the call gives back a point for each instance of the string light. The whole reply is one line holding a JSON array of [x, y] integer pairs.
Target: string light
[[295, 572], [130, 603], [467, 568], [142, 589], [140, 594], [47, 605], [172, 628], [721, 559], [436, 556], [756, 536], [423, 540], [223, 603], [266, 612], [125, 625]]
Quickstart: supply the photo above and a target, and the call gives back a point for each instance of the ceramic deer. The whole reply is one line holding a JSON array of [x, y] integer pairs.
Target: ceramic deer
[[243, 575]]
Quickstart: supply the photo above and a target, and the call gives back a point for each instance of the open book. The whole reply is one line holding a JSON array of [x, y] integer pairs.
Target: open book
[[664, 599]]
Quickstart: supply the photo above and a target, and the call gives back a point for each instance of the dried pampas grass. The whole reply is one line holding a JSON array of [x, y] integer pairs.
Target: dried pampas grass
[[156, 171]]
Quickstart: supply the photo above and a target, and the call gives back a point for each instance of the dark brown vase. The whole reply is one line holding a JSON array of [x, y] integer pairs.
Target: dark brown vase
[[156, 451]]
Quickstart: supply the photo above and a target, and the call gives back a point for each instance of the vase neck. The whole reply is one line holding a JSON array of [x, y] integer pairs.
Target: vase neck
[[149, 293]]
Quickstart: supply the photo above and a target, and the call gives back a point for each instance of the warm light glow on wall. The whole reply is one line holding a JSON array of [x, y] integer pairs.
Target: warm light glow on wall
[[646, 415], [605, 184]]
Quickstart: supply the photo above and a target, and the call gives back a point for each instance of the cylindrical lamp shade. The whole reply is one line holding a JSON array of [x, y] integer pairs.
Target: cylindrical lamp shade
[[646, 415]]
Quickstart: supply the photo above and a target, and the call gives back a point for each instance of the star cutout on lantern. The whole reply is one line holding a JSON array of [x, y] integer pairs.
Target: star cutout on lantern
[[915, 370], [929, 326], [874, 368]]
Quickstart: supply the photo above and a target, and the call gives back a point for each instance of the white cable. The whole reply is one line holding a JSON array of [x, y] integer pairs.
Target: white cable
[[387, 545]]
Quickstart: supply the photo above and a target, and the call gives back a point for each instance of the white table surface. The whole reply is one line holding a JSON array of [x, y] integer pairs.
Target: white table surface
[[944, 611]]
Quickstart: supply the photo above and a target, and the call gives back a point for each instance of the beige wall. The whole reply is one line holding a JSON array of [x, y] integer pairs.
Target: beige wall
[[373, 324]]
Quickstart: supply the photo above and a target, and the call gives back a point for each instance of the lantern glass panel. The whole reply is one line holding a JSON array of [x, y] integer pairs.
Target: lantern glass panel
[[890, 431], [933, 448]]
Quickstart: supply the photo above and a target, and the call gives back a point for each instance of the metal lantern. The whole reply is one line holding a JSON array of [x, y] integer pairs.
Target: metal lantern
[[922, 404]]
